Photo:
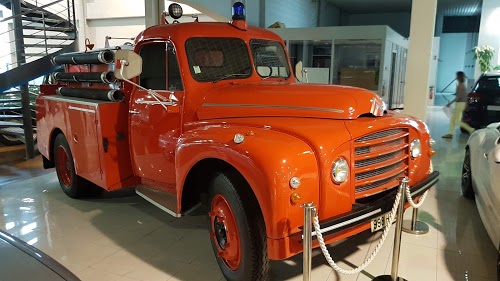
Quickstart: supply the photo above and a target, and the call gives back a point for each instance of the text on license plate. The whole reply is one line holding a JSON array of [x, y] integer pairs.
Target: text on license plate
[[493, 107], [379, 223]]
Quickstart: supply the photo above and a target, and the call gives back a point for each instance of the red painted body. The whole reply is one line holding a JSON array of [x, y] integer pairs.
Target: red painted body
[[291, 129]]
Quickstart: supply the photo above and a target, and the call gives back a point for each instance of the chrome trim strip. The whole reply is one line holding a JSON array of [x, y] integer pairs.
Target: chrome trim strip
[[344, 223], [153, 102], [170, 212], [73, 100], [81, 109], [334, 110]]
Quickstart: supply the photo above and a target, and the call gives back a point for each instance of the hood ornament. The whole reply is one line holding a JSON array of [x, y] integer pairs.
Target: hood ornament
[[377, 108]]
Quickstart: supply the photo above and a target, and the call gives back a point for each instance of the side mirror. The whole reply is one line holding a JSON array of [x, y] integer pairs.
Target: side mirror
[[127, 64], [495, 154], [298, 70]]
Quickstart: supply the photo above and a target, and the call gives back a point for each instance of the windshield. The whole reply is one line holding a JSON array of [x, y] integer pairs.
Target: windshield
[[269, 58], [213, 59], [488, 83]]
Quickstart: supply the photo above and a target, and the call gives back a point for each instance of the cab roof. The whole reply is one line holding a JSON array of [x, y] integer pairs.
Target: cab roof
[[180, 32]]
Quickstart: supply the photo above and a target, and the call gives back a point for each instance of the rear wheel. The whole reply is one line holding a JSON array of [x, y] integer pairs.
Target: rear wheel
[[467, 190], [73, 185], [237, 229]]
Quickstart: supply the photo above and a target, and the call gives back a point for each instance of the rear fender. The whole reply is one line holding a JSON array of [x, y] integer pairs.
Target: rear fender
[[267, 159]]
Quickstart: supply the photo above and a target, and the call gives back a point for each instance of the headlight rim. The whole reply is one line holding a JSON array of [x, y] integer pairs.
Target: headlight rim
[[340, 161], [415, 143]]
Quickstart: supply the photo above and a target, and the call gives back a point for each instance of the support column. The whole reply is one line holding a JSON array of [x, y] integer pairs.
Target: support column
[[153, 10], [489, 33], [423, 17], [25, 95]]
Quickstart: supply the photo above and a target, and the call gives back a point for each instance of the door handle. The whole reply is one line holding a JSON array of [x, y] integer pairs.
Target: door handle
[[134, 111]]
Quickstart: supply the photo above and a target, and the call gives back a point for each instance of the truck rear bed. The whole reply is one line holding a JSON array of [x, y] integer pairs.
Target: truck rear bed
[[97, 133]]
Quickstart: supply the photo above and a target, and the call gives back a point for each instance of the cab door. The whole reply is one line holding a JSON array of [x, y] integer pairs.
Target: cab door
[[155, 125]]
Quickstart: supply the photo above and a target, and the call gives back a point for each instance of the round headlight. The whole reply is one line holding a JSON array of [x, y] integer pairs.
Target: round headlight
[[415, 148], [340, 170]]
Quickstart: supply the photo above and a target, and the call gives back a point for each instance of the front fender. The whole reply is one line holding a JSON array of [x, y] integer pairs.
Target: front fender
[[267, 159]]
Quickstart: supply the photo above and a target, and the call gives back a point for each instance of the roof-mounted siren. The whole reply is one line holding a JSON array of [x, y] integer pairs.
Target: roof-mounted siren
[[239, 19], [174, 11]]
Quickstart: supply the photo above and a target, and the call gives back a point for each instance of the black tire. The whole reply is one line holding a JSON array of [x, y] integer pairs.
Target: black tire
[[464, 131], [72, 185], [254, 263], [9, 140], [467, 189]]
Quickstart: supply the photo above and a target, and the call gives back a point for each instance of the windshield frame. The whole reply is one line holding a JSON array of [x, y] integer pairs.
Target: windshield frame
[[191, 64], [285, 54]]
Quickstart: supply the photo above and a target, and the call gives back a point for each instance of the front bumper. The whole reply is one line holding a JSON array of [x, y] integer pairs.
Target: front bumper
[[346, 224], [370, 211]]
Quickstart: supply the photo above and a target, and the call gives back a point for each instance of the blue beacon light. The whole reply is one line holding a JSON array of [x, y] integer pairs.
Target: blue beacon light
[[238, 11]]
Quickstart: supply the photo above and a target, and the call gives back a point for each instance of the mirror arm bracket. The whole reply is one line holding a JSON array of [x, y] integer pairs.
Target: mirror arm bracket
[[154, 94]]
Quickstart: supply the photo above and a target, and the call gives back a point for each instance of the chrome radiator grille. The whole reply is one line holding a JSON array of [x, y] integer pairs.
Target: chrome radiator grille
[[380, 158]]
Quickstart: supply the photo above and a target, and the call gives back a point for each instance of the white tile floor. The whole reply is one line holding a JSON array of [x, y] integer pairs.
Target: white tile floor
[[122, 237]]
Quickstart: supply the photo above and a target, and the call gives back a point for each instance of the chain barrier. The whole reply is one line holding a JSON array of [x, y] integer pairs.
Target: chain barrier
[[387, 228], [410, 199]]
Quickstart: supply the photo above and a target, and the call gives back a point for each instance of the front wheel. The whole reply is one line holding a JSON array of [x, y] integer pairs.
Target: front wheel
[[467, 190], [237, 229]]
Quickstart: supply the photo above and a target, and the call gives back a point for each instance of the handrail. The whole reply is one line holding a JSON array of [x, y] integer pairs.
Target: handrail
[[33, 23], [31, 10]]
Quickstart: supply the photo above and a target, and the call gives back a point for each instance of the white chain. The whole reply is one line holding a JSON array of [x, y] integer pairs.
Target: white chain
[[332, 263], [410, 200]]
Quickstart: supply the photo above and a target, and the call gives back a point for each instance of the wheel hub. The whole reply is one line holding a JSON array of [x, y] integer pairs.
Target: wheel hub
[[220, 233], [63, 166], [225, 232]]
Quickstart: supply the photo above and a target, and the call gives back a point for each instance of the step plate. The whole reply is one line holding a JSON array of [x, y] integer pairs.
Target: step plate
[[161, 199]]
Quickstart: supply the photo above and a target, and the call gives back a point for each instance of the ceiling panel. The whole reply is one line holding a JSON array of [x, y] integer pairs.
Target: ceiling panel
[[446, 7]]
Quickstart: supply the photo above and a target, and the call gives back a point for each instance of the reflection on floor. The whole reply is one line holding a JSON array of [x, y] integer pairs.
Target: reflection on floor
[[123, 237]]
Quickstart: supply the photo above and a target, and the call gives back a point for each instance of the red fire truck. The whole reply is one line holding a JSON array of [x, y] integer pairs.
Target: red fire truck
[[212, 113]]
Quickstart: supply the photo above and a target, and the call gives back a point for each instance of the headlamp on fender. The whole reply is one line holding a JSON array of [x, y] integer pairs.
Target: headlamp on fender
[[415, 148], [340, 171]]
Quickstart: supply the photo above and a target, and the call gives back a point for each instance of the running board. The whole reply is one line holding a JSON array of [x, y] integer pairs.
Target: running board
[[164, 200]]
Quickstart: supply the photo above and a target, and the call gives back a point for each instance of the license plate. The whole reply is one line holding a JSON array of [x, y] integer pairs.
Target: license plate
[[493, 107], [379, 223]]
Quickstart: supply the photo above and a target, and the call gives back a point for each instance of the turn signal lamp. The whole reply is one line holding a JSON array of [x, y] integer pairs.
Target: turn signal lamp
[[295, 198], [238, 11]]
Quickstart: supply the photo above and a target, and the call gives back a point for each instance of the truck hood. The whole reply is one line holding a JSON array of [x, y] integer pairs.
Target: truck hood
[[283, 99]]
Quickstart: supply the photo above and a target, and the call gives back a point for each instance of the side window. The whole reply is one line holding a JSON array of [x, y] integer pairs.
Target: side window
[[174, 74], [154, 66]]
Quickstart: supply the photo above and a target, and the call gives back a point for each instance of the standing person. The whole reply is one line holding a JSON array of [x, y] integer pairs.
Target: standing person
[[460, 103]]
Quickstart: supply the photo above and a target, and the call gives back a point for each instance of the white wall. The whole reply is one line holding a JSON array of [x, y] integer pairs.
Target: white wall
[[117, 18], [293, 13], [489, 31], [451, 59], [400, 22]]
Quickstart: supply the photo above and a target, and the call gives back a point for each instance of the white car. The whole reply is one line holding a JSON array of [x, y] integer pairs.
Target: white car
[[481, 177]]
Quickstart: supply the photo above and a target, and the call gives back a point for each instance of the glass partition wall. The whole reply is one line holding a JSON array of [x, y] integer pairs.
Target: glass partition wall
[[341, 56]]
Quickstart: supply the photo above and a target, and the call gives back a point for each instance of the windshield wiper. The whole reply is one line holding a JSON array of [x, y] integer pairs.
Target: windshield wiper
[[230, 76]]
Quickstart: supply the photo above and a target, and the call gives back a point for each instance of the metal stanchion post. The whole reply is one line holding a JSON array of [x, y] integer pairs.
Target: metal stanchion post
[[307, 241], [403, 183], [414, 226]]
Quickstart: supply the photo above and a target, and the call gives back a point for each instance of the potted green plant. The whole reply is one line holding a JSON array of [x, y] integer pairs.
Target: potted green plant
[[483, 55]]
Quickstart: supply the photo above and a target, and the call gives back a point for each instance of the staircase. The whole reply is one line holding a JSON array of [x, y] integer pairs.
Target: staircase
[[36, 31]]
